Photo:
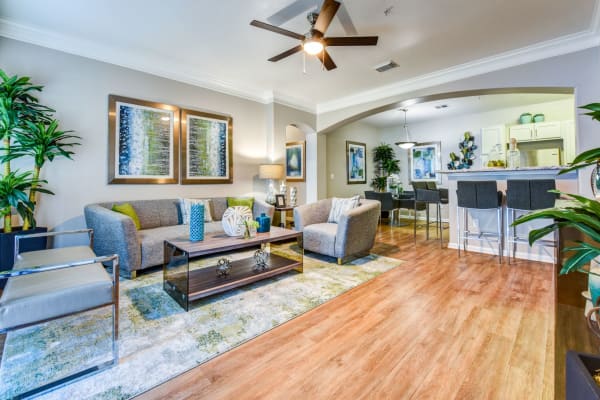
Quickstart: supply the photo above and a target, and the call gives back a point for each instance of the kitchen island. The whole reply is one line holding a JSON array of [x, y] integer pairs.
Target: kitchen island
[[487, 218]]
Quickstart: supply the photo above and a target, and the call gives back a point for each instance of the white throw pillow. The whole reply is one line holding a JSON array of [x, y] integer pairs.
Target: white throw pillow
[[186, 205], [340, 206]]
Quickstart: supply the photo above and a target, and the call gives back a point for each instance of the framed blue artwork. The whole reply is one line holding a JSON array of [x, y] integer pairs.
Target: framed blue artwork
[[143, 141], [425, 162], [206, 149], [356, 166], [295, 160]]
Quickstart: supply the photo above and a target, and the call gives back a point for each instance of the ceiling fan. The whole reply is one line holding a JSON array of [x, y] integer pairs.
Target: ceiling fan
[[315, 42]]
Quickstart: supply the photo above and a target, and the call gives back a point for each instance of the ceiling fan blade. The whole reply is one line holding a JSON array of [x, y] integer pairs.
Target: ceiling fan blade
[[277, 29], [346, 21], [325, 58], [293, 10], [351, 41], [286, 53], [328, 10]]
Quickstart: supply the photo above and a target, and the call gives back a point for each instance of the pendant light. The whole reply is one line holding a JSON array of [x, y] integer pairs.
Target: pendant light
[[408, 143]]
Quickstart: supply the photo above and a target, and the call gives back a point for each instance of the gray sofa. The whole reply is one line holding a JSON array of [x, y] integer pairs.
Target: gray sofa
[[160, 220], [354, 234]]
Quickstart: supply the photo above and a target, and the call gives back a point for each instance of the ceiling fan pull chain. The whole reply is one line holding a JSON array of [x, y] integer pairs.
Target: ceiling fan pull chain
[[304, 62]]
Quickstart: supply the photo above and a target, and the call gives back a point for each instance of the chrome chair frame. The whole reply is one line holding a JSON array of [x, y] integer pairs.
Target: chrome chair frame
[[474, 202], [114, 260], [532, 201]]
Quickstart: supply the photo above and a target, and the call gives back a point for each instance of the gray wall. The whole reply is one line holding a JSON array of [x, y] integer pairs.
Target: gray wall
[[78, 89]]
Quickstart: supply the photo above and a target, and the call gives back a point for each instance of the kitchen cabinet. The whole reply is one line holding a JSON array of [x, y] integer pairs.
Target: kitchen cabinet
[[493, 144], [535, 131]]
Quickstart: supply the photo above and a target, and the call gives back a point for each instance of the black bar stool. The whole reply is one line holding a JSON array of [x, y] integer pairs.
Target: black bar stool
[[479, 195], [426, 197], [524, 195]]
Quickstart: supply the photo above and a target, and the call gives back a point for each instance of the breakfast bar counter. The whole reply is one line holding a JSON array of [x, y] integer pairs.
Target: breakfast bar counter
[[566, 183]]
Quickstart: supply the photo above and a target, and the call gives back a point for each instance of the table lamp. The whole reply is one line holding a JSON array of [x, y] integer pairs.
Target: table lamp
[[271, 172]]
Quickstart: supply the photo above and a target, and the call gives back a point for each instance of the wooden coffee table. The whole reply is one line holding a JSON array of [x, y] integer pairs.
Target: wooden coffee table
[[185, 281]]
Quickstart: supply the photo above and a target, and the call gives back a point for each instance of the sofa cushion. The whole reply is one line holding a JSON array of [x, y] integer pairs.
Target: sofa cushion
[[186, 205], [219, 205], [155, 213], [152, 240], [241, 201], [45, 295], [127, 209], [320, 238]]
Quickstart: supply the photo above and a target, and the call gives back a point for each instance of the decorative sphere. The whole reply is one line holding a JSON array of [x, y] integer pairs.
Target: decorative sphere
[[233, 220]]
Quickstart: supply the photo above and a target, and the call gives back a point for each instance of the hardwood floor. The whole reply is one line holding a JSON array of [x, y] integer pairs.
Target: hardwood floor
[[437, 327]]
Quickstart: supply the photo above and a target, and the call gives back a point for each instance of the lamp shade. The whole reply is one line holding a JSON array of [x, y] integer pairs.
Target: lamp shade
[[270, 171]]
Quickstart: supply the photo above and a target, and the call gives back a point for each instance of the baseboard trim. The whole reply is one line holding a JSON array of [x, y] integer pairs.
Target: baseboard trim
[[540, 254]]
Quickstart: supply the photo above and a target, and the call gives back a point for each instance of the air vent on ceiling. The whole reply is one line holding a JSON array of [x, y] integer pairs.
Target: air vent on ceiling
[[385, 66]]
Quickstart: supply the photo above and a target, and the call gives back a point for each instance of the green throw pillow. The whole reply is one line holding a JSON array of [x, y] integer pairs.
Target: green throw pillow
[[240, 201], [127, 209]]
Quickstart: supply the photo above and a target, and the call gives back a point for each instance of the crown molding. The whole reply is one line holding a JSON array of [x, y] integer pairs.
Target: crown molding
[[551, 48], [162, 67], [150, 64]]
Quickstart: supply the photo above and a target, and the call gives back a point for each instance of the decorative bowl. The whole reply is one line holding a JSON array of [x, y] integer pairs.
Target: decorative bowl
[[525, 118], [538, 118]]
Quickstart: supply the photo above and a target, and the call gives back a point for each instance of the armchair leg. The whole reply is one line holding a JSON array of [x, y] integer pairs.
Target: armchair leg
[[340, 261]]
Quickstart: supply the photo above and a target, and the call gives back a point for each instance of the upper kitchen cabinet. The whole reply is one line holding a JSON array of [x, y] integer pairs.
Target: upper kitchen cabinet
[[535, 131], [493, 146]]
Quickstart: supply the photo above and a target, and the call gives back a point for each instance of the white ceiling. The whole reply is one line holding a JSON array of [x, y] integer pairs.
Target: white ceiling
[[211, 44], [459, 106]]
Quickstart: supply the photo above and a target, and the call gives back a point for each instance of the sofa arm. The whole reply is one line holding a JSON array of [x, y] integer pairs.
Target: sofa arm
[[357, 228], [312, 213], [262, 207], [114, 233]]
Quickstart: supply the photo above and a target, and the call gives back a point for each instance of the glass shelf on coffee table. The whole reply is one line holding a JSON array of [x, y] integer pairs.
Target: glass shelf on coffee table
[[190, 268]]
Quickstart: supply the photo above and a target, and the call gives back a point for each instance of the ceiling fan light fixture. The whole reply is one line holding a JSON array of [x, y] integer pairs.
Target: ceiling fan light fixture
[[312, 46], [406, 145]]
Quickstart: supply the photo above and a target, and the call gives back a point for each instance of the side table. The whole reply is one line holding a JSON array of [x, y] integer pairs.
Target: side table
[[282, 214]]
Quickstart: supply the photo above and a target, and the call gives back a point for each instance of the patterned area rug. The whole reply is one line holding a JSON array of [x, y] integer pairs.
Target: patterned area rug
[[159, 340]]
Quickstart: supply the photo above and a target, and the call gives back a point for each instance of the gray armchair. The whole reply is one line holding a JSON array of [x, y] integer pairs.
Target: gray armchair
[[354, 234]]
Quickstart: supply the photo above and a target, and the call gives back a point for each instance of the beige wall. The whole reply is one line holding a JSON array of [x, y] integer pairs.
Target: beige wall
[[78, 89]]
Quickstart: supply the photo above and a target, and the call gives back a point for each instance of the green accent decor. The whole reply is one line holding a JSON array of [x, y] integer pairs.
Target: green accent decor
[[240, 201], [127, 209], [158, 340]]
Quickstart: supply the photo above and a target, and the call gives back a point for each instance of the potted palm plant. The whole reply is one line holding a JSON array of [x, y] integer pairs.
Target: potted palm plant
[[27, 130], [385, 158], [582, 214]]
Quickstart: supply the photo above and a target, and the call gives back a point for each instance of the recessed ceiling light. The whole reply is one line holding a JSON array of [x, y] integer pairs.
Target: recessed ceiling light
[[441, 106]]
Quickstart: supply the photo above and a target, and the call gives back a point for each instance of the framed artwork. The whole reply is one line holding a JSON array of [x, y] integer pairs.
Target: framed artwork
[[356, 166], [280, 200], [143, 141], [206, 148], [425, 162], [295, 160]]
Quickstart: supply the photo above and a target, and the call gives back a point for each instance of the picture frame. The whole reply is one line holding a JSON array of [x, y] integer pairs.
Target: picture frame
[[206, 148], [295, 161], [280, 201], [134, 127], [425, 162], [356, 165]]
